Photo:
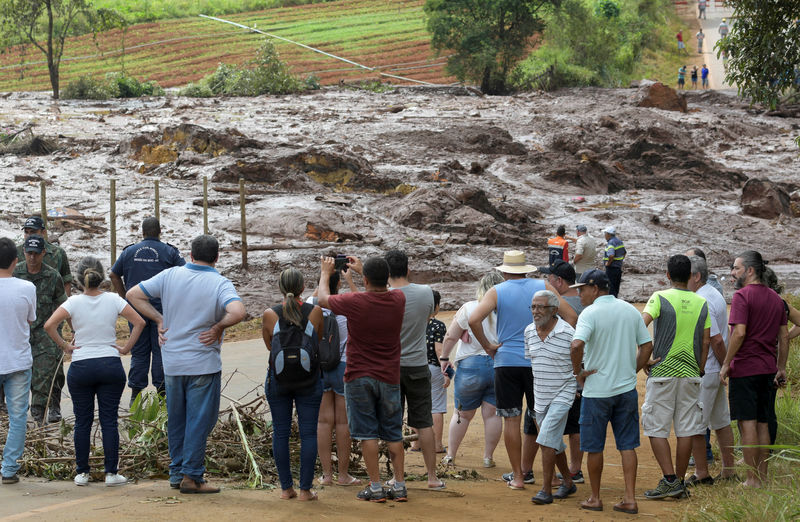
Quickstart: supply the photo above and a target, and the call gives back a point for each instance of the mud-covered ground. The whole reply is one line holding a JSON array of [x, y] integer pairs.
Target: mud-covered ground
[[452, 178]]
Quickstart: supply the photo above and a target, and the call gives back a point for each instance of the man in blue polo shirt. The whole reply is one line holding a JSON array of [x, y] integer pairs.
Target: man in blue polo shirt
[[139, 262], [198, 305], [613, 256], [605, 361]]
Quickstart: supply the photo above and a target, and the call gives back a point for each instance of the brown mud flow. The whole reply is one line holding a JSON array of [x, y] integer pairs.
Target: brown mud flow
[[452, 178]]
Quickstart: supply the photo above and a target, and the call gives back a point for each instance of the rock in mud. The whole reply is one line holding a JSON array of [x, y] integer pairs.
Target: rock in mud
[[155, 148], [660, 96], [762, 198], [299, 224], [481, 139]]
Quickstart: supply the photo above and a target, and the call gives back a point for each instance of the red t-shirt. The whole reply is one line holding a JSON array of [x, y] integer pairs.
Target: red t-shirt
[[761, 310], [374, 320]]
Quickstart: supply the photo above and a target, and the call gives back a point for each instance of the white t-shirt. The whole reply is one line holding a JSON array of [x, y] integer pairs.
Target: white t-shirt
[[586, 246], [473, 347], [718, 311], [17, 308], [94, 319]]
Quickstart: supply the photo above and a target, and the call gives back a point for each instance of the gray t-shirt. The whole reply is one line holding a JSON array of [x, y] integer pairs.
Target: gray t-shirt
[[419, 307], [575, 302]]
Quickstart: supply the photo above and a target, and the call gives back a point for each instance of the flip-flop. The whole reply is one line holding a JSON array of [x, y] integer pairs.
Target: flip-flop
[[440, 487], [621, 506], [353, 482], [512, 486], [321, 482], [444, 450]]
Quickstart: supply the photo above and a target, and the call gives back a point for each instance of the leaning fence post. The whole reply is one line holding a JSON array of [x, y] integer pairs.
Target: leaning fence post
[[44, 202], [158, 201], [113, 221], [244, 223], [205, 205]]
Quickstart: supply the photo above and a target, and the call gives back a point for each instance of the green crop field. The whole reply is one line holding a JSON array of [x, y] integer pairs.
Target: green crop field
[[389, 35]]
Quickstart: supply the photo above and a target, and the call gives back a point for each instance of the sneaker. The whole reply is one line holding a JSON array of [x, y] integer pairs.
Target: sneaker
[[447, 460], [528, 477], [13, 479], [564, 491], [705, 481], [577, 478], [372, 496], [542, 498], [488, 463], [674, 489], [54, 414], [397, 494], [115, 479], [82, 479]]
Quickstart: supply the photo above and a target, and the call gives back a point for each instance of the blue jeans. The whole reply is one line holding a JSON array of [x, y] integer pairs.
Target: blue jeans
[[307, 404], [374, 409], [192, 412], [103, 378], [17, 387], [145, 347], [474, 383]]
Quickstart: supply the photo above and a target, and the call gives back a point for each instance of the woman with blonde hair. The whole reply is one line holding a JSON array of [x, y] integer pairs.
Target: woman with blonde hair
[[96, 369], [474, 380]]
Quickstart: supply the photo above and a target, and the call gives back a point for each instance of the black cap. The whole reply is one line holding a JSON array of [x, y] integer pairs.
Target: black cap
[[34, 243], [560, 268], [34, 222], [594, 277]]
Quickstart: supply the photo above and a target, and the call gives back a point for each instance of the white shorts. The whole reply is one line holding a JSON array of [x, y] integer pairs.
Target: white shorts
[[715, 402], [438, 391], [672, 401]]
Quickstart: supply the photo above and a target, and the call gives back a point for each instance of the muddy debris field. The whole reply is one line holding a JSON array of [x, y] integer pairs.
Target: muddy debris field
[[452, 178]]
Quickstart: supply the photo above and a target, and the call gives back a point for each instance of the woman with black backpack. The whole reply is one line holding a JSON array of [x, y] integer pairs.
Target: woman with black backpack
[[292, 331]]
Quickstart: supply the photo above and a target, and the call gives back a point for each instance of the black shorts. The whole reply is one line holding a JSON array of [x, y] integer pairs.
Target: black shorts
[[573, 418], [511, 383], [415, 392], [751, 398], [530, 427]]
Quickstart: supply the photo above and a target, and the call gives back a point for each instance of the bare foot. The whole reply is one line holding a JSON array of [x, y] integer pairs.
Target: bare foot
[[307, 494], [516, 485], [592, 504], [325, 481], [288, 494]]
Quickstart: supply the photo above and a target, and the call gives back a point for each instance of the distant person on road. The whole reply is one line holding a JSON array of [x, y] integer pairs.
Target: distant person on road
[[139, 262], [557, 247], [681, 44], [198, 304], [701, 9], [681, 77], [613, 258], [96, 371], [694, 77], [723, 29], [704, 76], [701, 36], [474, 380], [585, 251]]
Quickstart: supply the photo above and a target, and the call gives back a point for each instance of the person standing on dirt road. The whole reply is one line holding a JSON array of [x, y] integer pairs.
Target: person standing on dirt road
[[47, 380], [585, 250], [547, 345], [558, 247], [17, 314], [681, 77], [415, 376], [758, 320], [682, 328], [372, 374], [613, 257], [701, 9], [198, 305], [700, 37], [605, 363], [139, 262], [681, 44], [704, 77]]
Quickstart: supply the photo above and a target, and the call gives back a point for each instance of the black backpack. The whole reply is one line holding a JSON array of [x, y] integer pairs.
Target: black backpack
[[329, 354], [294, 358]]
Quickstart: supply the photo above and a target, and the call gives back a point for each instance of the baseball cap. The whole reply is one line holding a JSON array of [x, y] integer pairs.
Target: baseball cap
[[34, 243], [34, 222], [559, 268], [610, 230], [581, 228], [594, 277]]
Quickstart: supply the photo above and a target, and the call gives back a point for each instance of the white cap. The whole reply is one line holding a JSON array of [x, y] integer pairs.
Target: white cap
[[610, 230]]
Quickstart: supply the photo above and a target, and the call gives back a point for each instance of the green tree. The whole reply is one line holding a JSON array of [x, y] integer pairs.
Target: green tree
[[46, 24], [763, 49], [488, 37]]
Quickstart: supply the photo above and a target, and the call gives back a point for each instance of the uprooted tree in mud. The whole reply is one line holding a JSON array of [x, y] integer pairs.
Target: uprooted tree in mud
[[488, 37], [46, 24]]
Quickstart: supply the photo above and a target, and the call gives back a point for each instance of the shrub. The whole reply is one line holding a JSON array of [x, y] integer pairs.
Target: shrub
[[197, 90], [129, 87], [86, 88], [114, 85]]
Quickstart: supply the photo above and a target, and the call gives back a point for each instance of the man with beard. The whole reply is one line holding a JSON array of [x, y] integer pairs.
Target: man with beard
[[759, 322]]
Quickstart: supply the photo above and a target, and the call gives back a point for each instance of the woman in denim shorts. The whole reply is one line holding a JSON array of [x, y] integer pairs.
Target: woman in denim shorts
[[474, 380]]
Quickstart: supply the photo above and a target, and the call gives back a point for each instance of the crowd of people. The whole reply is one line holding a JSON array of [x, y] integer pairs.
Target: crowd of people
[[550, 361]]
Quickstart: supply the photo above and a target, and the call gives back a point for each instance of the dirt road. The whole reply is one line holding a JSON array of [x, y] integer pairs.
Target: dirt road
[[716, 66]]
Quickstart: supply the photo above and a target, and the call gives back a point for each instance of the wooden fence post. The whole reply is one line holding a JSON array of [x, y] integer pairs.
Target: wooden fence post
[[205, 205], [158, 202], [44, 202], [113, 221], [244, 223]]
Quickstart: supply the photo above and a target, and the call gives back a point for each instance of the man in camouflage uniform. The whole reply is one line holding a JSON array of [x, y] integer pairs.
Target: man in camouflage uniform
[[54, 256], [48, 369]]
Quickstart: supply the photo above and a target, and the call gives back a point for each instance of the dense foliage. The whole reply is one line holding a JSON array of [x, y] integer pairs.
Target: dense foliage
[[487, 37], [114, 85]]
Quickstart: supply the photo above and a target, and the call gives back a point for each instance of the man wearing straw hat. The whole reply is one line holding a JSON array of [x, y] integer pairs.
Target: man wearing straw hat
[[513, 378]]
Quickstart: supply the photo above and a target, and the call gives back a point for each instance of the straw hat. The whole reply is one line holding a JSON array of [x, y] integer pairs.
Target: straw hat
[[514, 263]]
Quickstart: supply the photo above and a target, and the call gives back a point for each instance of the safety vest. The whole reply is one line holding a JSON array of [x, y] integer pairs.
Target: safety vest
[[615, 248], [557, 248]]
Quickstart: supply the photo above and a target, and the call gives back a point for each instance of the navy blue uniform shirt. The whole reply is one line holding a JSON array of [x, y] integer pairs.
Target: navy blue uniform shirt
[[141, 261]]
